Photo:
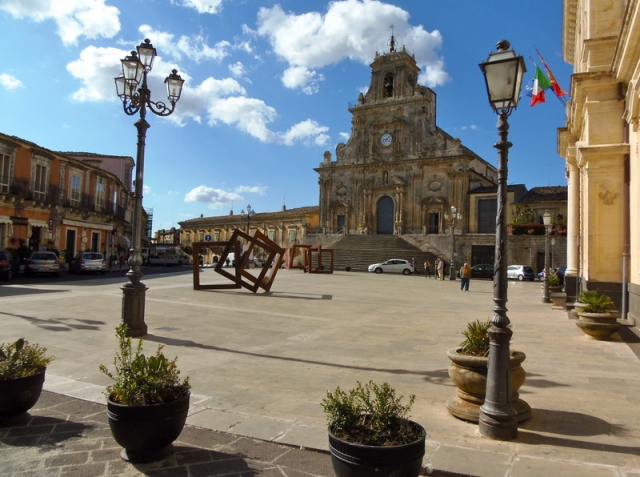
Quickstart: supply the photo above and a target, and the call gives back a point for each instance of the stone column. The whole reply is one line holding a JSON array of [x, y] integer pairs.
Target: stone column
[[573, 231]]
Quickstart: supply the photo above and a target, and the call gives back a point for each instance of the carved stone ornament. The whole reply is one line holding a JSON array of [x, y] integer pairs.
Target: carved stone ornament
[[435, 185], [341, 190], [608, 197]]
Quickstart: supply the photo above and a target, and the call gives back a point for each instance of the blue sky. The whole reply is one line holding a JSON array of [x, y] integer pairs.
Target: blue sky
[[267, 87]]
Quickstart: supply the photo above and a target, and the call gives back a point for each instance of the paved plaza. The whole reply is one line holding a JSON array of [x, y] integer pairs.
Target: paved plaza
[[261, 363]]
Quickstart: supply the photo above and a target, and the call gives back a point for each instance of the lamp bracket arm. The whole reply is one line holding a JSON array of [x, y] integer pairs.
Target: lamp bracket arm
[[159, 108]]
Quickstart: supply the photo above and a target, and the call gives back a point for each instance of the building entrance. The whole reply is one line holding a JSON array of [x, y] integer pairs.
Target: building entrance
[[385, 215]]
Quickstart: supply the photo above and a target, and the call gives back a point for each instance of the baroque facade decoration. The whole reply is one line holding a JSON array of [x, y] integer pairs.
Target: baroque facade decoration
[[600, 145], [399, 173]]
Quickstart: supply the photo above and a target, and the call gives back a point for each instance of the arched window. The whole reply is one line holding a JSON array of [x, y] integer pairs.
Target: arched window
[[388, 85]]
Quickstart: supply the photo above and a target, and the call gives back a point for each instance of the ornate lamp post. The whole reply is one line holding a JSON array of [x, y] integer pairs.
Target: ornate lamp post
[[453, 217], [250, 214], [503, 72], [546, 219], [132, 89]]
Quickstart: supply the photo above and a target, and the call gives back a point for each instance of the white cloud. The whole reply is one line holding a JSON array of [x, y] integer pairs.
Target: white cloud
[[301, 77], [201, 6], [237, 70], [192, 47], [213, 100], [10, 82], [78, 18], [308, 131], [352, 29], [214, 197], [261, 190]]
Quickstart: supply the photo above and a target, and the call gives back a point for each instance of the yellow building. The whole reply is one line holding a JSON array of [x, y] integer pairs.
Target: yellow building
[[600, 145]]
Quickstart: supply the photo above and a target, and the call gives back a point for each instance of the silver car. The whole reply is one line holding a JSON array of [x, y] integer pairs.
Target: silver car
[[42, 263], [88, 262], [395, 265], [520, 272]]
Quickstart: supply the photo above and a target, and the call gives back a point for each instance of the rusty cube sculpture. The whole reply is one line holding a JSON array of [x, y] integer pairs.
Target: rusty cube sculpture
[[241, 277]]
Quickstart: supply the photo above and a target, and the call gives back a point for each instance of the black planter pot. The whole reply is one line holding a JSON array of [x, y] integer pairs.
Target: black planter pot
[[355, 460], [19, 395], [147, 432]]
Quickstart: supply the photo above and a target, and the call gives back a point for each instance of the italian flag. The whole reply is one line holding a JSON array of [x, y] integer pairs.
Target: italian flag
[[540, 83]]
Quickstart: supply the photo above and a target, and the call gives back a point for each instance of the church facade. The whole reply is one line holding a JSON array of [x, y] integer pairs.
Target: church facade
[[399, 173]]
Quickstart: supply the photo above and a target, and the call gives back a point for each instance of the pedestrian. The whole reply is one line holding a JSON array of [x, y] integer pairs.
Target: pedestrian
[[427, 268], [465, 277], [413, 264], [440, 268], [123, 258]]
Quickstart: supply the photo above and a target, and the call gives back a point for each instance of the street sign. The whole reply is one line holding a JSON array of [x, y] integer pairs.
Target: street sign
[[207, 238]]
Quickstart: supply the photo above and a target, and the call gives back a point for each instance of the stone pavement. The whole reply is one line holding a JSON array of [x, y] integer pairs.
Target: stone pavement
[[261, 363]]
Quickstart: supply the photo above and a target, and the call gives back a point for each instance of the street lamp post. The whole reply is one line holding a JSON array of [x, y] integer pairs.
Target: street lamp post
[[250, 214], [455, 216], [546, 218], [503, 72], [132, 89]]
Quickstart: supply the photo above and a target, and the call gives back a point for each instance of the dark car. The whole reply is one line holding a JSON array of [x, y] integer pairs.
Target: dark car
[[88, 262], [483, 270], [42, 263], [5, 265]]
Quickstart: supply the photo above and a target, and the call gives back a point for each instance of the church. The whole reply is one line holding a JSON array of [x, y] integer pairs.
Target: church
[[399, 173]]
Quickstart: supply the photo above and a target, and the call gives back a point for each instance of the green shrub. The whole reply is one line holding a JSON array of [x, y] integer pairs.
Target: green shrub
[[21, 359], [141, 380], [595, 302], [370, 415], [553, 280], [476, 339]]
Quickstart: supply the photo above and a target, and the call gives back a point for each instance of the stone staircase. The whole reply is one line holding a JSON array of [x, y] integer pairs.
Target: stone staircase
[[360, 251]]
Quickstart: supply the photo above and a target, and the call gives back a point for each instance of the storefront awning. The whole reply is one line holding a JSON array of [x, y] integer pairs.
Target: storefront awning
[[38, 223], [4, 219]]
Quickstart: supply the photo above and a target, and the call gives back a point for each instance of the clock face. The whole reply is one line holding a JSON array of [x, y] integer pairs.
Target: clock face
[[386, 139]]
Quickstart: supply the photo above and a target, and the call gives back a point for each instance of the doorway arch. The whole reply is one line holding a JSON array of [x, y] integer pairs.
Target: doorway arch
[[386, 209]]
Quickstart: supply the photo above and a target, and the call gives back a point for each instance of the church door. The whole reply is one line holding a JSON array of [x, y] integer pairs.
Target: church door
[[385, 215]]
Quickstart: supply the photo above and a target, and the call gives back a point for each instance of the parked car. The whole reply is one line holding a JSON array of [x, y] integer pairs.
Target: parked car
[[395, 265], [520, 272], [42, 263], [5, 265], [482, 270], [88, 262]]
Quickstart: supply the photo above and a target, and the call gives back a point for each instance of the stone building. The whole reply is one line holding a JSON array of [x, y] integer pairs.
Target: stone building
[[600, 143], [399, 173]]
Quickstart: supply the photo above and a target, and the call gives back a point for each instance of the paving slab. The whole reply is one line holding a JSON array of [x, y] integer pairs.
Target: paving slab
[[261, 363]]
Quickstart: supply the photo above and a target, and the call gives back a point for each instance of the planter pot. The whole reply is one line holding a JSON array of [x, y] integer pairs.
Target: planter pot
[[469, 374], [558, 300], [577, 308], [356, 460], [599, 326], [147, 432], [19, 395]]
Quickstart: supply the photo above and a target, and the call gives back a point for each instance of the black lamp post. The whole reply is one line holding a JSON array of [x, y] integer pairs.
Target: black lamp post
[[132, 89], [453, 217], [503, 72], [546, 219], [250, 214]]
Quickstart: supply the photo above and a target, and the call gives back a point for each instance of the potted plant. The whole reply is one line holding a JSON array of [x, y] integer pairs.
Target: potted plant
[[22, 371], [147, 405], [597, 318], [348, 268], [468, 371], [554, 283], [370, 433]]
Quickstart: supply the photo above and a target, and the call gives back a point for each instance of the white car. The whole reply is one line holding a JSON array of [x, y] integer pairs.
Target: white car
[[520, 272], [395, 265]]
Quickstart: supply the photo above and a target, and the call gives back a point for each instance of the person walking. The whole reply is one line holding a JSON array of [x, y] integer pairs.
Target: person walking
[[414, 264], [440, 268], [427, 268], [465, 277]]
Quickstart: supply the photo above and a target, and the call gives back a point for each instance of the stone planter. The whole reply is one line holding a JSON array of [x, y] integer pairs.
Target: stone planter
[[558, 300], [18, 395], [469, 374], [599, 326]]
